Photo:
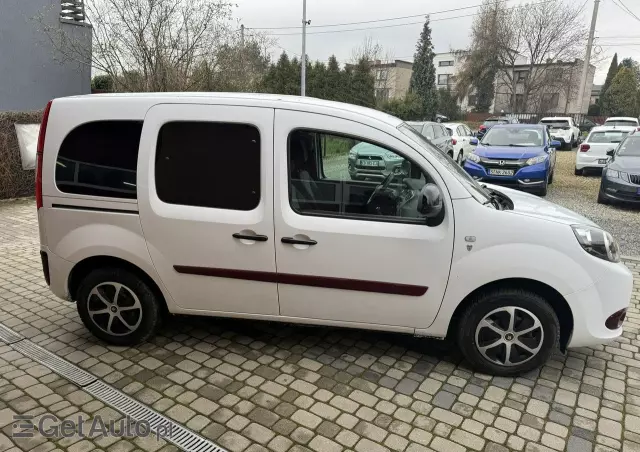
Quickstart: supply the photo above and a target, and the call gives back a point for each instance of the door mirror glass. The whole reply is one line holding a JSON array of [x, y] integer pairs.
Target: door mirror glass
[[430, 203], [611, 152], [555, 144], [473, 141]]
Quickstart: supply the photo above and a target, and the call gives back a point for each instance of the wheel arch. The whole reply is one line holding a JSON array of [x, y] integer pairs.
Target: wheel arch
[[551, 295], [81, 269]]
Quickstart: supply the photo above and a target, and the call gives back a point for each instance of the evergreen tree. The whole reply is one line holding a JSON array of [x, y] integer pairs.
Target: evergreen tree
[[423, 79], [334, 88], [613, 70], [621, 97], [363, 85]]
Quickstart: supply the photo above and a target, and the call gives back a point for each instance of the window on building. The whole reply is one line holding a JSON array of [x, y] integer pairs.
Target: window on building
[[72, 10], [550, 100], [209, 164], [519, 103], [382, 74], [100, 159], [382, 94], [445, 63], [473, 100], [443, 79], [521, 76]]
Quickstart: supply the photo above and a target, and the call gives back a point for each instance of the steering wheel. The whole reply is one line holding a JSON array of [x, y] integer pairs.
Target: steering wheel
[[383, 186]]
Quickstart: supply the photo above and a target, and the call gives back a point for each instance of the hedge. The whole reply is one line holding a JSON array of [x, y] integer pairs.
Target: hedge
[[14, 181]]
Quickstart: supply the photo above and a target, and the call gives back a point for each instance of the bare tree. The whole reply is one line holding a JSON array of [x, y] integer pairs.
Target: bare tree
[[155, 45], [381, 64]]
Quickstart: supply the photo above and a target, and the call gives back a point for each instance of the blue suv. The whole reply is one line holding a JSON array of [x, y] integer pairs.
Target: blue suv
[[516, 155]]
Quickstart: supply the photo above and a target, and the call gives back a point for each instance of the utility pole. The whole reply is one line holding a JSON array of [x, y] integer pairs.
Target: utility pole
[[242, 36], [303, 59], [587, 58]]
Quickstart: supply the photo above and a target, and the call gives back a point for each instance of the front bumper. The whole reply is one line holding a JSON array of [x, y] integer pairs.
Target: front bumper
[[584, 160], [619, 190], [592, 306], [528, 177]]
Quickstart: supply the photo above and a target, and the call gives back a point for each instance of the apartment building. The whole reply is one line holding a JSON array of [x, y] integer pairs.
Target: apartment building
[[391, 79]]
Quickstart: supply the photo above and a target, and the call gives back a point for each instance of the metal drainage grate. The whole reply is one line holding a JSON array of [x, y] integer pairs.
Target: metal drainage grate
[[55, 363], [182, 437], [8, 336]]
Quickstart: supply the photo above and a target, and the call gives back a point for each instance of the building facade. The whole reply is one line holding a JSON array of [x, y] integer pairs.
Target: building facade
[[392, 79], [32, 71]]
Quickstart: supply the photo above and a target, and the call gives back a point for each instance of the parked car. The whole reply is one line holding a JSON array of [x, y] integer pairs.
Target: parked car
[[135, 231], [621, 176], [490, 122], [622, 121], [517, 155], [437, 134], [461, 137], [563, 129], [368, 161], [586, 125], [441, 118], [592, 153]]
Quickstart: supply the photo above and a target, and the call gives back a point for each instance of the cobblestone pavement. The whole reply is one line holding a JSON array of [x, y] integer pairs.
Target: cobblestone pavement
[[256, 387]]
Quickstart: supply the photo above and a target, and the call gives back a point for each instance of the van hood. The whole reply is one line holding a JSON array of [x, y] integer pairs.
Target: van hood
[[534, 206]]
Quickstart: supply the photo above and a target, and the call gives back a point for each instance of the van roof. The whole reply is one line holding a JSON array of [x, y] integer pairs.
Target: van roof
[[310, 104]]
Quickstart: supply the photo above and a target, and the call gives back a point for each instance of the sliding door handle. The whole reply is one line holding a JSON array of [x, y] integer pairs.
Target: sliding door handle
[[255, 238], [292, 241]]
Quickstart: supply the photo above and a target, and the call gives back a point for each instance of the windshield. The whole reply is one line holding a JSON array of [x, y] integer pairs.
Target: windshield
[[612, 136], [474, 188], [630, 147], [513, 136], [493, 122], [621, 123], [555, 124]]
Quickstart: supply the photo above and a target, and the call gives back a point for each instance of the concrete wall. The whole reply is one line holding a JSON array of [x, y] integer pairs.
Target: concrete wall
[[30, 73]]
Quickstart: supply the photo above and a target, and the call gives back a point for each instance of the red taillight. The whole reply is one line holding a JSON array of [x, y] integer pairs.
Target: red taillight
[[584, 147], [482, 127], [453, 141], [40, 153]]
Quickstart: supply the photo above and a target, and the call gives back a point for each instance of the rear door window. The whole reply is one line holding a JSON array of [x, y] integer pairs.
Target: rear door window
[[438, 132], [209, 164], [100, 159]]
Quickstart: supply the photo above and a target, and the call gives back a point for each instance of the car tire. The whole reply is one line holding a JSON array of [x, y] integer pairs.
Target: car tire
[[460, 158], [551, 177], [602, 199], [545, 188], [574, 142], [578, 172], [112, 290], [491, 312]]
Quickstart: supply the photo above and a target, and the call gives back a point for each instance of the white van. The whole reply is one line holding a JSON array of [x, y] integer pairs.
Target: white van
[[237, 205]]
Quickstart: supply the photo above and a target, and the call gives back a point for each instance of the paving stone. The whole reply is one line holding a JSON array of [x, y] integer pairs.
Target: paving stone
[[444, 399], [576, 444]]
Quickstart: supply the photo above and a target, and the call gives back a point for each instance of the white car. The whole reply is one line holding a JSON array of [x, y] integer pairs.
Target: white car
[[563, 129], [269, 225], [622, 121], [592, 153], [461, 137]]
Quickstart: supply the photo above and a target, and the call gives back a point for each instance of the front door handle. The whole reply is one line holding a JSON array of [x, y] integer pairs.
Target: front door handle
[[255, 238], [292, 241]]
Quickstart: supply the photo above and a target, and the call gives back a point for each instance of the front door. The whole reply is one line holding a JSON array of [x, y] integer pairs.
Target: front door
[[205, 191], [351, 246]]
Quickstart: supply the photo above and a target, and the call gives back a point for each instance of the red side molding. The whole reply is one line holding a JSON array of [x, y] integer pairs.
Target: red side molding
[[359, 285]]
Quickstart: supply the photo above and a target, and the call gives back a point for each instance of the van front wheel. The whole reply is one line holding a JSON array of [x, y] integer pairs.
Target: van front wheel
[[118, 307], [508, 332]]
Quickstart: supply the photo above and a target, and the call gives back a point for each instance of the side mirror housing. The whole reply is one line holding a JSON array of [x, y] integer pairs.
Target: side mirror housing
[[611, 152], [430, 203], [473, 141], [555, 144]]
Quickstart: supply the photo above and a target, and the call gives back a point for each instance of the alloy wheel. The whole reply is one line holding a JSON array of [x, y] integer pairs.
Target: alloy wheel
[[114, 308], [509, 336]]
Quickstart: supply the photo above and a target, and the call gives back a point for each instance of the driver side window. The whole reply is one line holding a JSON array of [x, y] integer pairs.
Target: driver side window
[[343, 176]]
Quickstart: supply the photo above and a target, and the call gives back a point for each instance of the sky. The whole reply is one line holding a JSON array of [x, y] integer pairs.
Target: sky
[[616, 30]]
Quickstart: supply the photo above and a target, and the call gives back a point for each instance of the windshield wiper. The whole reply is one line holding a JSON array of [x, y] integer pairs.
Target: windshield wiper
[[519, 145]]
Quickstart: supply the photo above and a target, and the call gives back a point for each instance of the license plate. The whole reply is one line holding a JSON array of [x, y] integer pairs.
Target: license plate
[[368, 162], [501, 172], [602, 161]]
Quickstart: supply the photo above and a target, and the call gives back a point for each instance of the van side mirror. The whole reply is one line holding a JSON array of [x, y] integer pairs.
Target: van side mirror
[[611, 152], [473, 141], [430, 203]]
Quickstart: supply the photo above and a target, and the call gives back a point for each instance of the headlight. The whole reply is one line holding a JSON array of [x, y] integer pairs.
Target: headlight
[[353, 154], [392, 156], [536, 160], [473, 157], [614, 174], [597, 242]]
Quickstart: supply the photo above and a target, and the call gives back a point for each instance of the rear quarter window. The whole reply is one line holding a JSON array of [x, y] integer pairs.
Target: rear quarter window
[[100, 159]]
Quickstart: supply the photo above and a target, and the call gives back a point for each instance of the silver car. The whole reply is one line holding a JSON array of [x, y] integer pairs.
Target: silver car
[[436, 133]]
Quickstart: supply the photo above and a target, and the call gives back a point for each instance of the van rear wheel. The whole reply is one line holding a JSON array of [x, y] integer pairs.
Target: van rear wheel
[[118, 307], [508, 332]]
